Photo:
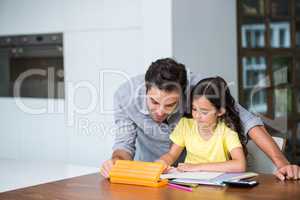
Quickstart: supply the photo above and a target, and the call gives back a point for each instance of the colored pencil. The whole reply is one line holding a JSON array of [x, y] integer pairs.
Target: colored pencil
[[180, 187]]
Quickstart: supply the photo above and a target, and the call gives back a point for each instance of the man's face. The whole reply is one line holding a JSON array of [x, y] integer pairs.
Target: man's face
[[161, 103]]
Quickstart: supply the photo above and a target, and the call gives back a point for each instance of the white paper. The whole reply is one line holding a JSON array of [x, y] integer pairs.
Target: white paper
[[192, 175], [201, 182]]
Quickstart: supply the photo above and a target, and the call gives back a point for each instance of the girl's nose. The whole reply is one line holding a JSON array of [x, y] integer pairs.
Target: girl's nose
[[198, 115]]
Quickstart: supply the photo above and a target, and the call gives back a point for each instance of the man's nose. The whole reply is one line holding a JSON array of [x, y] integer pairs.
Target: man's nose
[[160, 112]]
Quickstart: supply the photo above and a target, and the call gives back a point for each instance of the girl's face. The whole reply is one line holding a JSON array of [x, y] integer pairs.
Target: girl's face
[[205, 113]]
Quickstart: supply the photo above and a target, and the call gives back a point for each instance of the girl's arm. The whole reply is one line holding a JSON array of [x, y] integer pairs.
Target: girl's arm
[[236, 164], [169, 158]]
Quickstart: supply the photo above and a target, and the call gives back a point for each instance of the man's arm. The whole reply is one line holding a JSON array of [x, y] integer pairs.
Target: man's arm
[[254, 128], [119, 154], [248, 119], [265, 142], [125, 135]]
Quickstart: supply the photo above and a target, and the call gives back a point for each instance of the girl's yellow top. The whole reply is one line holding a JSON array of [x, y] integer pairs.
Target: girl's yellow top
[[216, 149]]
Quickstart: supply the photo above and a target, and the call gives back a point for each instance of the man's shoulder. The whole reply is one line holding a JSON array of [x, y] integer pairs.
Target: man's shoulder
[[131, 86], [131, 95]]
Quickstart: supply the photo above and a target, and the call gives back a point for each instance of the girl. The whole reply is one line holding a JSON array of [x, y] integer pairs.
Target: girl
[[212, 137]]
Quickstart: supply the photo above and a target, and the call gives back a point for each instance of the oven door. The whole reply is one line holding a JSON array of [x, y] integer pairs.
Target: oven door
[[33, 71]]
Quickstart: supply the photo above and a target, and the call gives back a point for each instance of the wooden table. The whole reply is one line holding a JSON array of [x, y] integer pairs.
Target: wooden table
[[93, 186]]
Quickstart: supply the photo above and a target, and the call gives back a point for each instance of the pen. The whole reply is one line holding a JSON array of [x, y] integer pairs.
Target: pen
[[188, 189]]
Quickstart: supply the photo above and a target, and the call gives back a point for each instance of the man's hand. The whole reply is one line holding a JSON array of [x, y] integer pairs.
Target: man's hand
[[106, 167], [118, 154], [288, 172]]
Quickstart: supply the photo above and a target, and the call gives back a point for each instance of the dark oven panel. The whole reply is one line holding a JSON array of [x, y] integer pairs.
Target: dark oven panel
[[32, 66]]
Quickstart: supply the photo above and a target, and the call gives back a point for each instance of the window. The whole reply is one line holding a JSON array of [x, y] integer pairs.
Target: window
[[279, 8], [253, 33], [297, 5], [253, 7], [298, 34], [269, 63], [280, 37]]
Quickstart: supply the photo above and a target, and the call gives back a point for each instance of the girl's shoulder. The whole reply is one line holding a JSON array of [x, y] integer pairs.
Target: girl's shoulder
[[187, 122], [225, 129]]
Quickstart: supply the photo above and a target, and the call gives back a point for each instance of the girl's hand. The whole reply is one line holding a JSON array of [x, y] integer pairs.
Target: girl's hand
[[168, 169], [186, 167], [171, 170], [166, 166]]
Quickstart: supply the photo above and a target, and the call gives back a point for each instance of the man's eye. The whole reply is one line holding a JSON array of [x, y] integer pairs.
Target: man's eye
[[170, 106], [154, 102], [194, 109]]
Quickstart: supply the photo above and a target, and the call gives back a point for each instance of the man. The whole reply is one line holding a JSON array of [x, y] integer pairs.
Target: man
[[148, 108]]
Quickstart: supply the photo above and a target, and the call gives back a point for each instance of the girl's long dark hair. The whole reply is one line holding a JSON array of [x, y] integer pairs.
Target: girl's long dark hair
[[216, 90]]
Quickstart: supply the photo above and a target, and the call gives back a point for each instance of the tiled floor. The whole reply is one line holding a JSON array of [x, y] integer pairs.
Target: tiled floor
[[16, 174]]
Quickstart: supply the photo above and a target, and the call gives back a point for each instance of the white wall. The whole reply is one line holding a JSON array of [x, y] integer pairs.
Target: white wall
[[122, 35], [98, 35], [205, 38]]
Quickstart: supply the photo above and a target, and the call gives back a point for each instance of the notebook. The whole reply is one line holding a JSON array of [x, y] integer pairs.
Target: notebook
[[206, 178], [191, 175]]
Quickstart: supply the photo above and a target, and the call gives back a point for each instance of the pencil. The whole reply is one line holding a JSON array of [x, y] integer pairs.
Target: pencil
[[180, 187]]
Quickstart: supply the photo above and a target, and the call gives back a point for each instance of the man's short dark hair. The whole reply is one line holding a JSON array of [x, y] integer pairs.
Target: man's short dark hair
[[166, 74]]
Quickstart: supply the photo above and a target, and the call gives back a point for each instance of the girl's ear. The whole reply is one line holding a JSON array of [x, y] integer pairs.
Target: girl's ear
[[221, 112]]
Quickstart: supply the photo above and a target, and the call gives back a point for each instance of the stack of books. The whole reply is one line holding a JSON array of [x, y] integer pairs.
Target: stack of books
[[205, 178]]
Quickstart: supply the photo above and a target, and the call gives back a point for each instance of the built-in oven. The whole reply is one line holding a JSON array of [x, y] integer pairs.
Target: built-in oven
[[32, 66]]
